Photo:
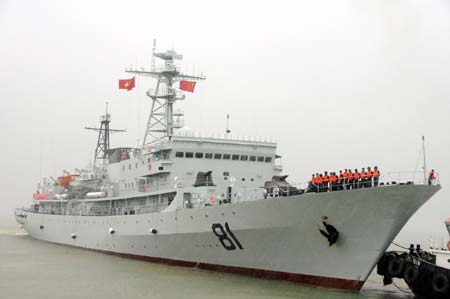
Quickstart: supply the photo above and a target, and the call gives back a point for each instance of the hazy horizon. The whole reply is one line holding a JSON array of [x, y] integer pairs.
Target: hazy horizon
[[338, 84]]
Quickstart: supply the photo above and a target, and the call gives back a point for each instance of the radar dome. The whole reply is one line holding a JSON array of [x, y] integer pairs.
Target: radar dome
[[184, 131]]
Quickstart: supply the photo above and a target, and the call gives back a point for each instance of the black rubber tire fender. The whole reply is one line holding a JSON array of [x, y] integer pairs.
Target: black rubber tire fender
[[412, 273], [395, 267], [384, 262], [440, 283]]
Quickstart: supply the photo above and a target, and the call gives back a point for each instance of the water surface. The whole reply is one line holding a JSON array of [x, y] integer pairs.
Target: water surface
[[35, 269]]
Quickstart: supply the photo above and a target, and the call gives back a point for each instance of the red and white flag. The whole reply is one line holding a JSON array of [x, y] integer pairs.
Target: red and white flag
[[187, 85], [127, 84]]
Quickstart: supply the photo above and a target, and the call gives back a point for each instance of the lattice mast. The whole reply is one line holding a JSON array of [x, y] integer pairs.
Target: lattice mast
[[160, 124], [101, 150]]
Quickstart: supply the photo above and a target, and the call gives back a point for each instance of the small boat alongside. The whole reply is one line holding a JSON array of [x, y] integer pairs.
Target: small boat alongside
[[427, 273]]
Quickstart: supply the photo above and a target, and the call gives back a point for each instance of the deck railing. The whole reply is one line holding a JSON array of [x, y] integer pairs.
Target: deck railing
[[387, 179]]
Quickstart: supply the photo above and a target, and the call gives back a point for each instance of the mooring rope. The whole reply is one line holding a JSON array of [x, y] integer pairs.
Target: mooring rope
[[401, 289], [407, 248]]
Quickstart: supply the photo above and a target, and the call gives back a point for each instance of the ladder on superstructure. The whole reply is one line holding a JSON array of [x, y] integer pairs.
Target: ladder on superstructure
[[161, 124]]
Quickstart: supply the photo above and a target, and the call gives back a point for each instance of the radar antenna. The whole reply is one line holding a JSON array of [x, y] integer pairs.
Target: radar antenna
[[160, 124], [101, 151]]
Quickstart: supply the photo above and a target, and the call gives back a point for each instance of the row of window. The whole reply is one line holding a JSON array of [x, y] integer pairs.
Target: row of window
[[223, 157]]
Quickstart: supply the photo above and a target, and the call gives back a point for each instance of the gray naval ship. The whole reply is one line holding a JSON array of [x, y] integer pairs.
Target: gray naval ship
[[217, 203]]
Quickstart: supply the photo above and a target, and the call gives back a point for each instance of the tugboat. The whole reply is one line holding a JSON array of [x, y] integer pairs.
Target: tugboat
[[427, 274], [441, 251], [218, 203]]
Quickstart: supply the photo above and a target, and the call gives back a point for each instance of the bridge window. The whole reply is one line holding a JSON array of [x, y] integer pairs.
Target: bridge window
[[218, 156], [244, 157], [208, 155], [178, 155], [226, 156], [260, 159], [189, 155], [235, 157], [253, 158], [268, 159], [199, 155]]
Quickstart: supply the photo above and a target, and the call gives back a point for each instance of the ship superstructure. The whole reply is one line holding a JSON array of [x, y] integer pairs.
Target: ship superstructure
[[200, 201]]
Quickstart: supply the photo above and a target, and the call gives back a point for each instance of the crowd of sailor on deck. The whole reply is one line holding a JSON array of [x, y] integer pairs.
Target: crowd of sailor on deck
[[344, 180]]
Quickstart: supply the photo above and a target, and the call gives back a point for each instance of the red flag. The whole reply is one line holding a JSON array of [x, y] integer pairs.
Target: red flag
[[127, 84], [187, 85]]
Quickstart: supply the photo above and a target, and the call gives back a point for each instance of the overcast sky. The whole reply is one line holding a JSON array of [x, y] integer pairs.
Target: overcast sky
[[338, 84]]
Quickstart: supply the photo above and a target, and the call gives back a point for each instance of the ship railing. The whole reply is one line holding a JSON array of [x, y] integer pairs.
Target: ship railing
[[387, 179], [162, 93], [414, 177], [165, 68], [128, 210], [226, 137], [144, 188]]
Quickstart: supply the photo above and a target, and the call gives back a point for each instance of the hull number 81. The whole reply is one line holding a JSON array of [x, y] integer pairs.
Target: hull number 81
[[226, 236]]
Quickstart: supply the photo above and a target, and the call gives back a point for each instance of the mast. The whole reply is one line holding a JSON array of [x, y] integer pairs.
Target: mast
[[153, 54], [160, 124], [101, 150], [424, 161], [227, 130]]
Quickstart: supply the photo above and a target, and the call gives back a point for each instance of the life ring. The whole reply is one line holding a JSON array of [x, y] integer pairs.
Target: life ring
[[448, 245], [395, 267], [411, 273], [212, 200], [440, 283], [149, 167]]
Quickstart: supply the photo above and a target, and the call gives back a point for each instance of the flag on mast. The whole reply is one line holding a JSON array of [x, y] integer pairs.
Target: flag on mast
[[127, 84], [187, 85]]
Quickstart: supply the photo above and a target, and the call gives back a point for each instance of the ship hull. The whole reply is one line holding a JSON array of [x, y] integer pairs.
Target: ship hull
[[272, 238]]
